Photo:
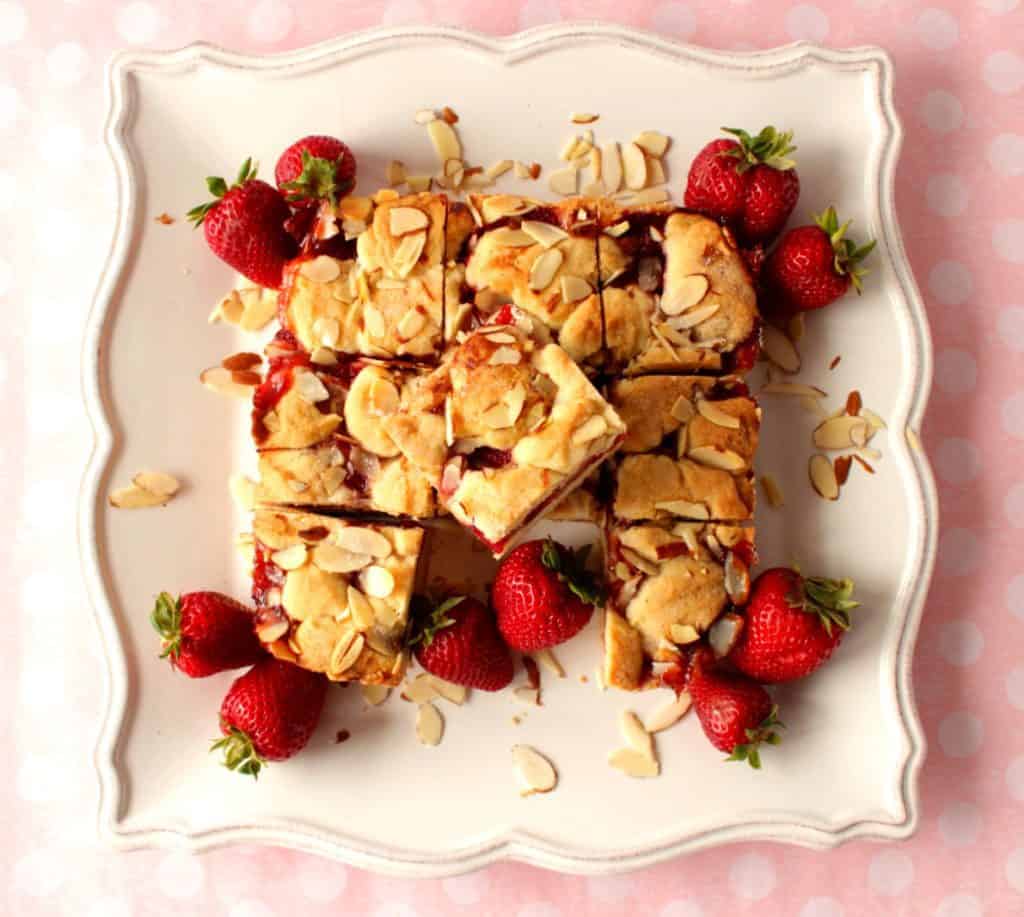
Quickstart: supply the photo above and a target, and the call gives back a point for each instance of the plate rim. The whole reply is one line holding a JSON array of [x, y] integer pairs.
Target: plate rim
[[511, 845]]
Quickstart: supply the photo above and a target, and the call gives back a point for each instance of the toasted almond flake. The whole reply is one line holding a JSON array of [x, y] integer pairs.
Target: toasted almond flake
[[684, 508], [383, 397], [429, 724], [332, 559], [594, 188], [508, 237], [346, 653], [454, 694], [834, 361], [694, 317], [157, 482], [823, 477], [246, 377], [452, 167], [842, 464], [874, 421], [779, 349], [712, 412], [449, 116], [135, 497], [549, 660], [668, 714], [840, 432], [535, 772], [589, 430], [724, 634], [528, 695], [220, 380], [408, 252], [660, 336], [245, 545], [451, 477], [655, 176], [411, 324], [568, 148], [241, 361], [611, 167], [395, 173], [445, 141], [499, 168], [290, 558], [522, 169], [404, 220], [649, 196], [682, 410], [619, 229], [418, 183], [685, 294], [544, 269], [377, 581], [544, 234], [321, 269], [814, 406], [635, 735], [772, 490], [449, 422], [420, 690], [652, 142], [327, 331], [360, 609], [563, 181], [424, 116], [353, 228], [574, 288], [273, 631], [498, 336], [298, 486], [309, 387], [375, 695], [714, 457], [853, 403], [634, 167], [858, 457], [792, 388], [361, 540], [634, 763], [505, 356], [582, 117], [683, 634], [243, 491]]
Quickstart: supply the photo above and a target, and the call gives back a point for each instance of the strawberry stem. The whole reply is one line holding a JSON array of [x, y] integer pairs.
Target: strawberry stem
[[433, 620], [166, 620], [240, 754], [317, 180], [847, 254], [830, 599], [770, 147], [571, 569], [763, 734], [218, 188]]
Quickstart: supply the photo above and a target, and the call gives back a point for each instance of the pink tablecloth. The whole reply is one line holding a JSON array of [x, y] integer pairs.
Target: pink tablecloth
[[960, 91]]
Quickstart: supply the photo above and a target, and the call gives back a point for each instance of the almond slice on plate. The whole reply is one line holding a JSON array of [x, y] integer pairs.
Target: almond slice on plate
[[668, 714], [535, 772], [157, 482], [579, 117], [549, 660], [420, 690], [780, 349], [454, 694], [652, 142], [223, 382], [429, 724], [772, 490], [563, 181], [842, 432], [445, 140], [634, 763], [395, 173], [611, 167], [375, 695], [134, 497], [634, 167], [823, 477], [635, 735], [418, 183], [499, 168]]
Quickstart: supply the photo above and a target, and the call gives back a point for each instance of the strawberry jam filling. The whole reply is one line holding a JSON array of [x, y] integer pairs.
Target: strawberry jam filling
[[266, 577]]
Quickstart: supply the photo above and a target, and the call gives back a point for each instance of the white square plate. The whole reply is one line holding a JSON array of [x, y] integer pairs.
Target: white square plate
[[848, 765]]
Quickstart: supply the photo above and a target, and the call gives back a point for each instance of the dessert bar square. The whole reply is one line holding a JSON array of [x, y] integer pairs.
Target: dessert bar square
[[506, 426], [676, 294], [668, 582], [689, 448], [332, 595], [321, 433]]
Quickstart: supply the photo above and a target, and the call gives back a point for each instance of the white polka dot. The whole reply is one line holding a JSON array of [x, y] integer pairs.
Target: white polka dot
[[999, 6], [752, 876], [271, 20], [1015, 869], [109, 906], [958, 460], [61, 144], [539, 12], [43, 778], [950, 282], [1011, 327], [959, 552], [961, 642], [13, 22], [960, 824], [1015, 596], [959, 905], [1006, 154], [42, 690], [610, 888], [1008, 240], [821, 907], [947, 195], [681, 909], [941, 111], [250, 907], [40, 873], [66, 63], [937, 29], [960, 734], [1013, 415], [404, 12], [1013, 505], [1015, 778], [956, 371], [180, 875], [674, 19], [396, 909], [468, 889], [320, 879], [538, 909], [806, 22], [139, 22], [890, 873], [1004, 71], [1015, 687]]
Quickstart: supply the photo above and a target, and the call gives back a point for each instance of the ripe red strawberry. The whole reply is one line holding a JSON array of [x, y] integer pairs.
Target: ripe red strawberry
[[813, 266], [736, 714], [205, 632], [244, 226], [269, 714], [792, 624], [459, 642], [314, 168], [542, 595], [748, 183]]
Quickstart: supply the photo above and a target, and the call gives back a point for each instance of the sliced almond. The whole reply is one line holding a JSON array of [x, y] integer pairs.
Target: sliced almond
[[418, 183], [420, 690], [243, 491], [424, 116], [404, 220], [395, 173], [522, 169], [655, 176], [823, 477], [563, 181], [682, 410], [361, 540], [135, 497], [408, 252], [668, 714], [505, 356], [594, 188], [274, 630], [454, 694], [321, 269], [291, 558], [550, 662], [309, 387], [634, 763], [508, 237], [377, 581], [535, 772], [874, 421], [619, 229], [652, 142], [685, 294], [544, 269], [429, 723], [589, 430], [780, 349], [611, 167], [574, 288], [792, 388], [714, 457], [712, 412], [220, 380], [693, 317], [649, 196], [359, 607], [682, 634], [243, 360], [545, 234], [635, 735], [841, 432], [451, 477], [346, 653], [327, 331], [634, 167], [568, 149], [332, 559], [725, 633], [445, 140], [772, 490], [684, 508], [499, 168], [375, 695], [528, 695], [157, 482], [579, 117]]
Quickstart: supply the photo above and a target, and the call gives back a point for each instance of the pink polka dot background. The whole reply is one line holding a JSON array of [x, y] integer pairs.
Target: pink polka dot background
[[960, 92]]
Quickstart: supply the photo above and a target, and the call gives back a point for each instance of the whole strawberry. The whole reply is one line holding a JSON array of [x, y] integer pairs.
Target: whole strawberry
[[205, 633], [316, 168], [813, 266], [244, 226], [736, 714], [792, 625], [269, 714], [748, 183], [542, 596], [459, 642]]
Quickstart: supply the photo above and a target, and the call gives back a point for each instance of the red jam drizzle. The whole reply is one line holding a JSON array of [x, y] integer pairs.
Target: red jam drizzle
[[486, 457], [266, 575]]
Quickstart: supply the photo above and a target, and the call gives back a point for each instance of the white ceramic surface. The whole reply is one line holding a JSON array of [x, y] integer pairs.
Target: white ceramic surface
[[848, 766]]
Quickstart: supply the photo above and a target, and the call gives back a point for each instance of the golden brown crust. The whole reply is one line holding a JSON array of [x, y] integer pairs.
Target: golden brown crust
[[623, 653]]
